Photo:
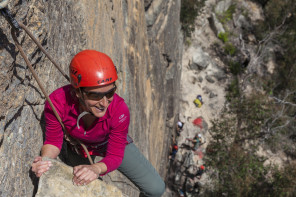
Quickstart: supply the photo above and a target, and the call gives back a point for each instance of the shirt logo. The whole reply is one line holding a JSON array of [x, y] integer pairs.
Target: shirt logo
[[122, 118]]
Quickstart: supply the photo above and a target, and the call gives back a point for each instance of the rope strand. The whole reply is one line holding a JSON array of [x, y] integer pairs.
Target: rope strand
[[13, 32], [43, 50]]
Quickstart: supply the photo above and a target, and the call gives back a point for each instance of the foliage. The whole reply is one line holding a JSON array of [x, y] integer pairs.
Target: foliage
[[284, 183], [265, 118], [227, 15], [189, 11], [223, 36], [235, 68], [239, 172], [280, 28], [230, 49], [232, 152], [239, 169], [233, 90], [275, 13]]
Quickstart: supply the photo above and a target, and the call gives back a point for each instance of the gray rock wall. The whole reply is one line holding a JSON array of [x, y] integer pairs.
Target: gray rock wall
[[148, 61]]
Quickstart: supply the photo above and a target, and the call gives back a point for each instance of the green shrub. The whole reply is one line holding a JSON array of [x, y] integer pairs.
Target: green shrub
[[235, 68], [223, 36], [230, 49], [284, 183], [189, 11], [233, 90], [227, 15], [240, 172], [257, 119]]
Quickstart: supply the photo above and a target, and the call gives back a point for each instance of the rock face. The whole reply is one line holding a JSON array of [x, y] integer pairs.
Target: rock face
[[57, 182], [148, 62]]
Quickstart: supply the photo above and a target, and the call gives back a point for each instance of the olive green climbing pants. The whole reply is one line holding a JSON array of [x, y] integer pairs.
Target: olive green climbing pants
[[134, 166]]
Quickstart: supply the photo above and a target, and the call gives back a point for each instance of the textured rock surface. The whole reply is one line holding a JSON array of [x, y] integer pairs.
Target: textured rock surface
[[57, 182], [148, 61]]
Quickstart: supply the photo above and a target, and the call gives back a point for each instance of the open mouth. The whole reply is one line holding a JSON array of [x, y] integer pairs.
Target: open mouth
[[100, 109]]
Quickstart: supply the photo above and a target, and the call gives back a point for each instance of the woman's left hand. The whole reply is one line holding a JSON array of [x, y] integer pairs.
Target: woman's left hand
[[84, 174]]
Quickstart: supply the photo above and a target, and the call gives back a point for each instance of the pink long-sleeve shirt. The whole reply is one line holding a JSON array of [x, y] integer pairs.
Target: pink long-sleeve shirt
[[107, 136]]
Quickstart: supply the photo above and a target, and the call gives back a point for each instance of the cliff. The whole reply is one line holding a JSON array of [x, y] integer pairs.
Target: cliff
[[143, 40]]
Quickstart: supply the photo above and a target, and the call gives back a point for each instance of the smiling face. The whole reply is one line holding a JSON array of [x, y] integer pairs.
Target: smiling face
[[96, 99]]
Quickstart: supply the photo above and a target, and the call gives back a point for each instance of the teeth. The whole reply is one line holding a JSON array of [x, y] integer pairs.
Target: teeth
[[102, 109]]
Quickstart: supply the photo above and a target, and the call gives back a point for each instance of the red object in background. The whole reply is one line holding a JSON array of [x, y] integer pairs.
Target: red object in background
[[198, 122], [199, 153], [175, 147]]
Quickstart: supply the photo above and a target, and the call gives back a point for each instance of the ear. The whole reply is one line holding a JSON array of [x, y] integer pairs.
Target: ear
[[78, 93]]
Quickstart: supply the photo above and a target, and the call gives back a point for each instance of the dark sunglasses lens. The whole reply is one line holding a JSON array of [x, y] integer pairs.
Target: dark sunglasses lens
[[110, 94], [94, 96], [99, 96]]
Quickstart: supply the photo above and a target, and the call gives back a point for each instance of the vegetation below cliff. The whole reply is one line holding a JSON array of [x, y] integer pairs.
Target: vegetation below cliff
[[252, 144], [263, 117]]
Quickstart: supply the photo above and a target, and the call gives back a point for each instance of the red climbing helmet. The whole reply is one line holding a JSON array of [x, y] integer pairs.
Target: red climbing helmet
[[202, 167], [175, 147], [92, 68]]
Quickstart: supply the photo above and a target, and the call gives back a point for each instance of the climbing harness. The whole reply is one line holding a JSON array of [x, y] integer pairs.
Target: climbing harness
[[16, 27]]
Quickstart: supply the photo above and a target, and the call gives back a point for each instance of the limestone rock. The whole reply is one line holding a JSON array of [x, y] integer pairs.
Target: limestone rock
[[222, 6], [200, 60], [210, 79], [57, 182], [153, 11], [216, 26]]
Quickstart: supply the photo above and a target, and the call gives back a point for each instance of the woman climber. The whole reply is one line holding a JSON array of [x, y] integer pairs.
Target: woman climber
[[93, 113]]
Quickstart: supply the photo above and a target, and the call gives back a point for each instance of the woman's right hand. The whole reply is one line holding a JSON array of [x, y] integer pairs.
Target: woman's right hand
[[39, 166]]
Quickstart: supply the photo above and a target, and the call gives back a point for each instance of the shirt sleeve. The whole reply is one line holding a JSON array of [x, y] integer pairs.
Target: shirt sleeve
[[117, 138], [54, 131]]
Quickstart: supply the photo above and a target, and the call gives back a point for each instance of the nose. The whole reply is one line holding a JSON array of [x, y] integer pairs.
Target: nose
[[104, 102]]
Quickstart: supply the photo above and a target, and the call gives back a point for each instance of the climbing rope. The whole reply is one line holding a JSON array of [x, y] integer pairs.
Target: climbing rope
[[43, 50], [15, 28]]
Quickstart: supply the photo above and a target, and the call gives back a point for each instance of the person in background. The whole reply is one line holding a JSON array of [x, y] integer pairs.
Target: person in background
[[195, 141], [201, 139], [173, 152], [92, 112], [200, 171], [179, 127]]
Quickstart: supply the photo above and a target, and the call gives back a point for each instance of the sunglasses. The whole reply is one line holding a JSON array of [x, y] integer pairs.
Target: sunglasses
[[99, 95]]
